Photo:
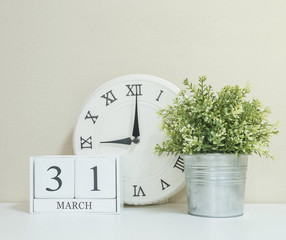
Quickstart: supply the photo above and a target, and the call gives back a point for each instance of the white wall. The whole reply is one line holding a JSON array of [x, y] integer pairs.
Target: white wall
[[54, 53]]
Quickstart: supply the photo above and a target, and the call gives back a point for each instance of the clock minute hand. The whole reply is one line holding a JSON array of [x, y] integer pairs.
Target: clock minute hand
[[136, 132], [126, 141]]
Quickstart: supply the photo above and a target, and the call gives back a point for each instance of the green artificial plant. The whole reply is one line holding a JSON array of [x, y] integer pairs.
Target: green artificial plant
[[201, 120]]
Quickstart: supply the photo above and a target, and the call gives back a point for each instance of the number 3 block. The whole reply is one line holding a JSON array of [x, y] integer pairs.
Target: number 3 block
[[54, 178]]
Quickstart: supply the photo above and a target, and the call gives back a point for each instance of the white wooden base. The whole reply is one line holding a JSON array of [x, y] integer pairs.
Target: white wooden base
[[75, 205]]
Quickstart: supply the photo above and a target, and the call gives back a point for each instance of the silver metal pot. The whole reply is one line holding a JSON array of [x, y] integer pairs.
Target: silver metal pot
[[215, 184]]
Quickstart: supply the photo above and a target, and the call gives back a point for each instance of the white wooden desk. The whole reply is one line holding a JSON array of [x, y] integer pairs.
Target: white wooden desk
[[167, 221]]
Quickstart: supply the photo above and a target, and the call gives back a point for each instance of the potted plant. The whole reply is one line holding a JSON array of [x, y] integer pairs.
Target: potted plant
[[215, 132]]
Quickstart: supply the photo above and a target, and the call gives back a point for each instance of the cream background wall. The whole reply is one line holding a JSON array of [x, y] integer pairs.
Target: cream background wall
[[53, 54]]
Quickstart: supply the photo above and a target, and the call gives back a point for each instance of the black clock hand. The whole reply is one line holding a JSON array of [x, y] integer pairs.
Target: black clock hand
[[136, 132], [126, 141]]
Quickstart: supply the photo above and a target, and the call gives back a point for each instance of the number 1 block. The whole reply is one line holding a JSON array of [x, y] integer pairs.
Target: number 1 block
[[95, 178]]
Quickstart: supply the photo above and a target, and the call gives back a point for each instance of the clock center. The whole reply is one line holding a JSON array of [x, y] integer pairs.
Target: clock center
[[136, 140]]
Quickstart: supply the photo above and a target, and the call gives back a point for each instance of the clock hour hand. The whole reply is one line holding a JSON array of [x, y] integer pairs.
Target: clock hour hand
[[136, 132], [126, 141]]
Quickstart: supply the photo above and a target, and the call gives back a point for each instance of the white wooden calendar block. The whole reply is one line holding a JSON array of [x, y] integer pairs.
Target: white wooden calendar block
[[54, 178], [75, 184], [95, 177]]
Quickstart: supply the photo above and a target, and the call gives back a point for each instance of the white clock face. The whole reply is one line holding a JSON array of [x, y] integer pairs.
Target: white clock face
[[120, 119]]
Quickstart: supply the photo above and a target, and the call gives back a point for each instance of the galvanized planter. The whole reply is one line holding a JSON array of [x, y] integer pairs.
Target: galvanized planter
[[215, 184]]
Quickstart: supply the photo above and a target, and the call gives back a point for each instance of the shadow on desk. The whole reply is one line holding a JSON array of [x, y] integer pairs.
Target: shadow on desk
[[178, 208], [21, 207]]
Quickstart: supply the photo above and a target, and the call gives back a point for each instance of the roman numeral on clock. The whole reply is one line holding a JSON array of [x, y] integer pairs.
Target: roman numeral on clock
[[89, 116], [86, 143], [180, 164], [109, 97], [134, 89], [164, 185], [138, 192], [157, 99]]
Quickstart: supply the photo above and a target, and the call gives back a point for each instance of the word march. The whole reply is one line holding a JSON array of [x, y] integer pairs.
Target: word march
[[74, 205]]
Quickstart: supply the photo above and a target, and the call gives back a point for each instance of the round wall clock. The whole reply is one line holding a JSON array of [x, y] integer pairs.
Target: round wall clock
[[120, 118]]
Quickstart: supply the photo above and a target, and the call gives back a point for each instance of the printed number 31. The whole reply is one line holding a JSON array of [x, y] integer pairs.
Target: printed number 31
[[60, 183]]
